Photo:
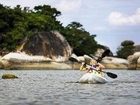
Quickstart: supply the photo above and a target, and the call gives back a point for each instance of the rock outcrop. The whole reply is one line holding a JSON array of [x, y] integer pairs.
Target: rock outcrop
[[9, 76], [115, 63], [43, 50], [21, 57], [137, 48], [134, 61], [108, 62], [22, 61], [49, 44]]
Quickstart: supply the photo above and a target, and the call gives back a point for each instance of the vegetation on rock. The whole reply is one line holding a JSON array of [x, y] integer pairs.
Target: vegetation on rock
[[126, 49], [9, 76]]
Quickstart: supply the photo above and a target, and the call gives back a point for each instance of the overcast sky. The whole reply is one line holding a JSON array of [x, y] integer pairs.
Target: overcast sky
[[113, 21]]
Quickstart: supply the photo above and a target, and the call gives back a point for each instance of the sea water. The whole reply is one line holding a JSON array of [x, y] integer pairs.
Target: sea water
[[60, 87]]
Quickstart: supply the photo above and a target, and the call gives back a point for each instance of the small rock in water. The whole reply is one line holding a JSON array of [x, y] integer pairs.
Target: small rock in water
[[9, 76]]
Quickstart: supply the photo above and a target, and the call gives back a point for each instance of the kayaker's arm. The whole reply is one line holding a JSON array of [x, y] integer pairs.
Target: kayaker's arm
[[111, 75]]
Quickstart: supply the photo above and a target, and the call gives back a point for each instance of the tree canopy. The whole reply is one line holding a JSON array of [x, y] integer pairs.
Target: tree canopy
[[17, 23], [126, 48], [80, 40]]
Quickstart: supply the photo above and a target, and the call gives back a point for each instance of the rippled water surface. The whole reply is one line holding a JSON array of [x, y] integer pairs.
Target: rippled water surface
[[58, 87]]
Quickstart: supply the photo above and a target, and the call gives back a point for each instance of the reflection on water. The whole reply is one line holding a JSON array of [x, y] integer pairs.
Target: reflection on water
[[59, 87]]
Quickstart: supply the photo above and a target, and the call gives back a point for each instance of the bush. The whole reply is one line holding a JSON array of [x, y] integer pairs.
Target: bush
[[126, 49]]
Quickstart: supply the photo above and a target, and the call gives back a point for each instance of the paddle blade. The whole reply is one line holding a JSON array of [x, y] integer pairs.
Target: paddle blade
[[105, 53], [112, 75]]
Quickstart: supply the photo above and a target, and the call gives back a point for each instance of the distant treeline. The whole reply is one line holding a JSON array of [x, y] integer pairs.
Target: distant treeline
[[17, 23]]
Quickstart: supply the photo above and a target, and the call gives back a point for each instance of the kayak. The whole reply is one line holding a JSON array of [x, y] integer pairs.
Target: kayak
[[93, 77]]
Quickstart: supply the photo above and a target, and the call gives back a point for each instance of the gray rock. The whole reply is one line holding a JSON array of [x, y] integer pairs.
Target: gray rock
[[9, 76], [114, 60], [20, 57], [115, 63], [134, 61], [49, 44]]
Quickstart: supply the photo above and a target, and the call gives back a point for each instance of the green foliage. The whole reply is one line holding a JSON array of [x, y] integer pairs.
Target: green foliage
[[47, 10], [80, 40], [126, 49], [127, 43], [17, 23], [88, 46]]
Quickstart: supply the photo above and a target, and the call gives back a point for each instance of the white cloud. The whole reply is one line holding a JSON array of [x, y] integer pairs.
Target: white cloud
[[117, 18], [61, 5], [68, 5], [25, 3]]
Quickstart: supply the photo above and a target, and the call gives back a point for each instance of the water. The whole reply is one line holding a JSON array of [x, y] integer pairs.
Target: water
[[58, 87]]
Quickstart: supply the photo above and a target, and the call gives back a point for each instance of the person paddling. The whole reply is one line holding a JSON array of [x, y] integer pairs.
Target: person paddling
[[91, 64], [99, 66], [95, 66]]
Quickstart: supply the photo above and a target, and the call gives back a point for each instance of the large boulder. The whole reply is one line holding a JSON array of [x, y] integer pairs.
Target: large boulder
[[114, 60], [115, 63], [21, 57], [4, 64], [138, 61], [49, 44], [1, 64], [134, 61], [137, 48], [42, 47]]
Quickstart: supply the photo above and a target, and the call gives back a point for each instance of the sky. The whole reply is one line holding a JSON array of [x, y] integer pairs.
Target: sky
[[113, 21]]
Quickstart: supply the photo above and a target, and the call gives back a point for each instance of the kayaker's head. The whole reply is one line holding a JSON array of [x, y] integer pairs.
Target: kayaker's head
[[87, 59]]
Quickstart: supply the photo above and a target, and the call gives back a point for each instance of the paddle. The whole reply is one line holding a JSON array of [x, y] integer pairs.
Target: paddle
[[105, 53], [111, 75]]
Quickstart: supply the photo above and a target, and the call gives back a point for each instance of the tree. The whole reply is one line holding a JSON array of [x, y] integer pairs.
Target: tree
[[87, 46], [80, 40], [17, 23], [47, 10], [47, 16], [126, 49]]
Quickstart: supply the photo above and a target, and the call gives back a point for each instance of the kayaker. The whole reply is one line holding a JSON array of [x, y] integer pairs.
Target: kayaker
[[86, 67], [92, 66], [96, 66], [83, 67]]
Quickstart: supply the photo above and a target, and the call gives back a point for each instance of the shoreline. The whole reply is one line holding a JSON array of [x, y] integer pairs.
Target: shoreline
[[56, 66]]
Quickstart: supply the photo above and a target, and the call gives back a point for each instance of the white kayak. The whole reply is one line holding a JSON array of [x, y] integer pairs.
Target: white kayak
[[93, 77]]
